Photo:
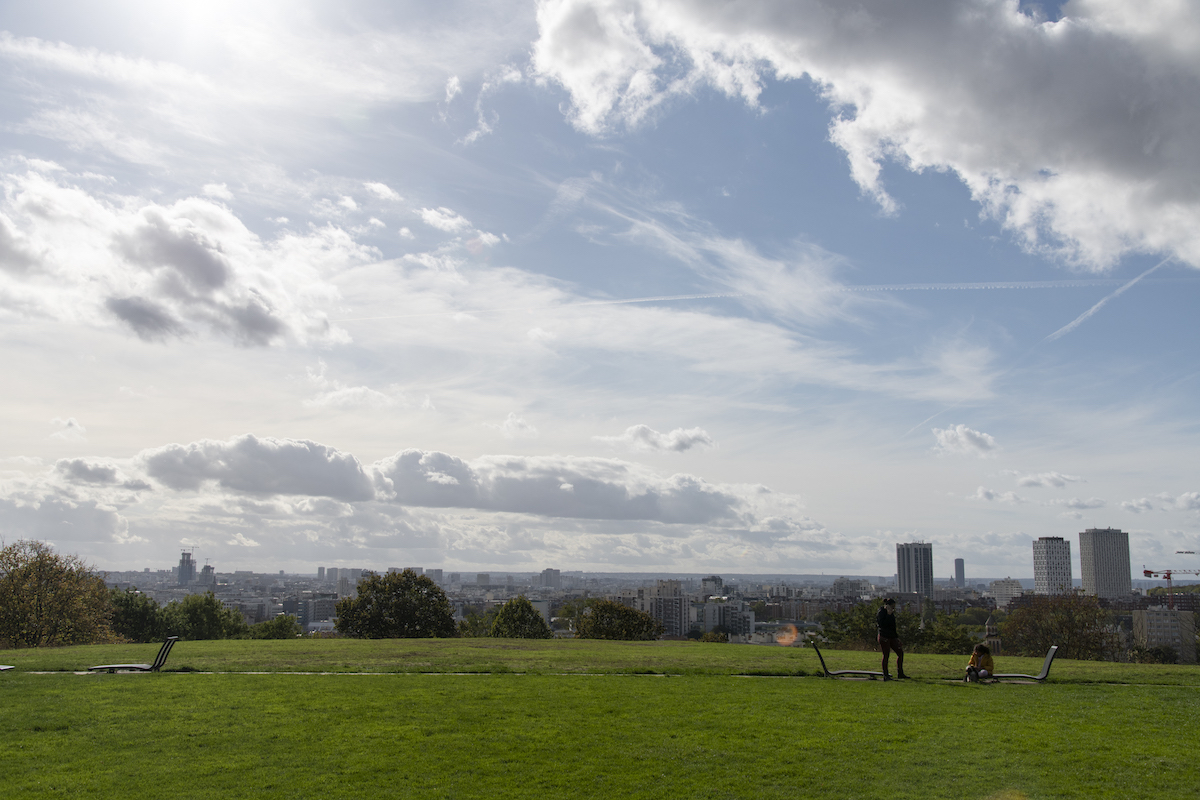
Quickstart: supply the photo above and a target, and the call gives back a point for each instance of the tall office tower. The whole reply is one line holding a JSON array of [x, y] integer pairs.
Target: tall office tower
[[483, 579], [1104, 563], [551, 579], [1051, 565], [914, 568], [320, 574], [187, 569], [960, 573], [434, 575]]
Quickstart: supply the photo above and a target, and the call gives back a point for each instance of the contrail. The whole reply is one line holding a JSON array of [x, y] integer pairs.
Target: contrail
[[882, 287], [1075, 323]]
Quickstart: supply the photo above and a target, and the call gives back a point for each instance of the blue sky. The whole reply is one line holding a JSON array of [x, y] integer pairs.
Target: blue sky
[[598, 284]]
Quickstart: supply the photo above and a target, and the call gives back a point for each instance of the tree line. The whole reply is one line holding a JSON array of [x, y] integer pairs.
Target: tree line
[[48, 599]]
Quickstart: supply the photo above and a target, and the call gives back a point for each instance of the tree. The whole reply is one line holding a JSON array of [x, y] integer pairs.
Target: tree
[[283, 626], [606, 619], [945, 635], [855, 629], [573, 610], [399, 605], [1077, 624], [50, 599], [477, 623], [136, 616], [518, 619], [203, 616]]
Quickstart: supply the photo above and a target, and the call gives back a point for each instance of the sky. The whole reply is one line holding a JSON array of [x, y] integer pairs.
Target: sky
[[754, 286]]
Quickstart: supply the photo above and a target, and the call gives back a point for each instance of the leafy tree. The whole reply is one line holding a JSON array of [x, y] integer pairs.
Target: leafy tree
[[1076, 623], [573, 610], [606, 619], [137, 617], [518, 619], [945, 635], [759, 607], [203, 616], [398, 605], [715, 636], [283, 626], [477, 623], [1153, 655], [855, 629], [50, 599]]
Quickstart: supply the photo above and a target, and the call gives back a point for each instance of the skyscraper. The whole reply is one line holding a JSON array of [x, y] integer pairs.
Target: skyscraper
[[1051, 565], [914, 568], [187, 569], [1104, 563], [960, 573]]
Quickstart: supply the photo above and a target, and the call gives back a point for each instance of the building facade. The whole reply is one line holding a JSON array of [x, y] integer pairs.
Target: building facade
[[960, 573], [1004, 590], [1161, 627], [914, 568], [1051, 565], [1104, 563]]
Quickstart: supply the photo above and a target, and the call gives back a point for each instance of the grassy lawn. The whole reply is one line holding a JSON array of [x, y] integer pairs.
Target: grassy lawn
[[578, 723]]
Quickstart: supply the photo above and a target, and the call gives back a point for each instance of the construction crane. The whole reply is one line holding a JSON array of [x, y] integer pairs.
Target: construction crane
[[1167, 573]]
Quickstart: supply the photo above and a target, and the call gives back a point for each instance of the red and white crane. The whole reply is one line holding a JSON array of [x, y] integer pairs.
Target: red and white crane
[[1167, 573]]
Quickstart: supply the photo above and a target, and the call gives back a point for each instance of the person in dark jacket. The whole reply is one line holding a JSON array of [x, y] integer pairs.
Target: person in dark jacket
[[889, 640]]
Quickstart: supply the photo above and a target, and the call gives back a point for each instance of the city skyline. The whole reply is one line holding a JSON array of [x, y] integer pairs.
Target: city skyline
[[599, 286]]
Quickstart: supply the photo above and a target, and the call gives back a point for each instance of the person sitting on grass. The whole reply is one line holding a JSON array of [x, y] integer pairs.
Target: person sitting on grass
[[980, 666]]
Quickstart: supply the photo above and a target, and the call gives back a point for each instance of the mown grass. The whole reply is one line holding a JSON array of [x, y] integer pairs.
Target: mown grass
[[496, 736], [555, 657]]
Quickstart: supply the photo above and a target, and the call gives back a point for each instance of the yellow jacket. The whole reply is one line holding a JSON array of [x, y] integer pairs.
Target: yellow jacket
[[982, 662]]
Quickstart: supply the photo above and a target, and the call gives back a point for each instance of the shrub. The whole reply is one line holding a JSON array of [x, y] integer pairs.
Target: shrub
[[605, 619]]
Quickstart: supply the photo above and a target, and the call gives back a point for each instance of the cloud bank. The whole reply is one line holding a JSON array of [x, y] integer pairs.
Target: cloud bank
[[1075, 134]]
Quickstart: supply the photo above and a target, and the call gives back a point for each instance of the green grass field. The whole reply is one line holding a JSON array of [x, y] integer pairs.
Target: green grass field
[[499, 719]]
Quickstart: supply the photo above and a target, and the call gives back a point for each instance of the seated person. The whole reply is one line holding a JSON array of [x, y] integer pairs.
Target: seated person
[[980, 666]]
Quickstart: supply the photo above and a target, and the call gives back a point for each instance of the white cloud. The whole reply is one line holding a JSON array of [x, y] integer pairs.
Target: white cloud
[[217, 190], [382, 191], [69, 430], [983, 493], [444, 219], [1062, 162], [1137, 506], [335, 394], [1043, 479], [513, 427], [962, 440], [453, 88], [643, 437], [170, 271], [1189, 501], [1077, 503], [405, 233], [241, 540], [265, 466]]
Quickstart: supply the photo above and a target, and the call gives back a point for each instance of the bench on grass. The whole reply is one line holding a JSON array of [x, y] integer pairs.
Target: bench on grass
[[4, 668], [835, 673], [159, 660], [1041, 676]]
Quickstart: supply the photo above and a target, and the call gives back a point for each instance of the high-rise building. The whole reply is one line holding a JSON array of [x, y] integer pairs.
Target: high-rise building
[[1051, 565], [1104, 563], [960, 573], [483, 579], [1004, 590], [320, 574], [187, 568], [434, 575], [914, 568], [551, 579]]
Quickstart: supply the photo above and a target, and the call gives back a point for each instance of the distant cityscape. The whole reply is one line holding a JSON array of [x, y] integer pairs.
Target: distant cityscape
[[748, 608]]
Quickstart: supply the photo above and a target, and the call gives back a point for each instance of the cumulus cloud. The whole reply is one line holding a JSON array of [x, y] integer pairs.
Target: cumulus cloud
[[166, 271], [260, 466], [962, 440], [1137, 506], [335, 394], [1096, 163], [1077, 503], [983, 493], [559, 486], [382, 191], [513, 427], [444, 219], [69, 430], [1043, 479], [643, 437]]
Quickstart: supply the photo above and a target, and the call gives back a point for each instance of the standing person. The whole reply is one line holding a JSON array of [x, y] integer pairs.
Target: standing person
[[981, 665], [889, 640]]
